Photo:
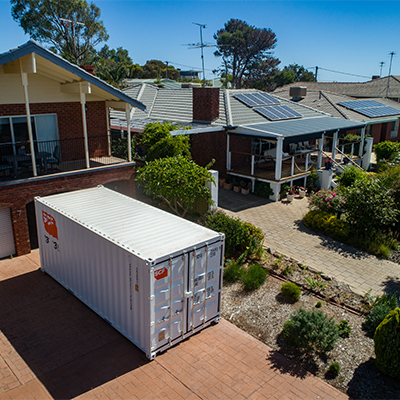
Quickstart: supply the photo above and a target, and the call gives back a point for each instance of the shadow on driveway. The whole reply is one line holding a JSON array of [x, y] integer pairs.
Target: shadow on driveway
[[68, 347], [235, 202]]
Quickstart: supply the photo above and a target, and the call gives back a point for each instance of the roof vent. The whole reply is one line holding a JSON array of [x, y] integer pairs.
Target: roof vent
[[298, 91], [375, 77]]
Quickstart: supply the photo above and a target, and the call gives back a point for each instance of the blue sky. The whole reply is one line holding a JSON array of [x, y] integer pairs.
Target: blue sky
[[345, 36]]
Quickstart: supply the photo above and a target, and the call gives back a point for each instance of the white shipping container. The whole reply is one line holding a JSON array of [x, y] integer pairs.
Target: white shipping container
[[155, 277]]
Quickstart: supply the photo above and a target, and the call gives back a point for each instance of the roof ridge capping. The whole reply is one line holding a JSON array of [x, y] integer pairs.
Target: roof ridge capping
[[31, 46]]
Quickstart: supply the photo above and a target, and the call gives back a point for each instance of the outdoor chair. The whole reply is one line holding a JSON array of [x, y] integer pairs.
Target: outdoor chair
[[55, 159]]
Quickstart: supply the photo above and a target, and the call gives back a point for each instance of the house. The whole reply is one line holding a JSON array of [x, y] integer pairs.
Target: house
[[385, 87], [251, 135], [54, 137], [382, 126]]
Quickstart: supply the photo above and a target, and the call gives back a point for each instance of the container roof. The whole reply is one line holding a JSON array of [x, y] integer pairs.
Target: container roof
[[146, 231]]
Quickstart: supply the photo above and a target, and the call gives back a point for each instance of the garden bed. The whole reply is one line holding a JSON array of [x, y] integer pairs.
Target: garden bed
[[263, 312]]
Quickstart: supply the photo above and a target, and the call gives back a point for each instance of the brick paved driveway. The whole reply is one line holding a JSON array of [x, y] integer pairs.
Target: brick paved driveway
[[53, 346], [281, 223]]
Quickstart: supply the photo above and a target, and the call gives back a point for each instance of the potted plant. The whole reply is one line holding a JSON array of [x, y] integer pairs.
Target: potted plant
[[328, 163], [245, 187], [302, 192], [291, 194], [236, 187], [228, 183]]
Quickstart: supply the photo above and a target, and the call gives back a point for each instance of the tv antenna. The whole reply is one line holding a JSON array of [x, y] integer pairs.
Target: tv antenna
[[201, 46], [391, 54], [381, 63]]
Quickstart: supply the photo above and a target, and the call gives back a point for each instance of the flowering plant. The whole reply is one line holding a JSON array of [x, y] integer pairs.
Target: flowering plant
[[326, 200], [292, 190], [301, 189]]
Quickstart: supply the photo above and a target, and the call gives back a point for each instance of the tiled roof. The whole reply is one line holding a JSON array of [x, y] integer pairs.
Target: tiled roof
[[327, 101], [177, 106], [374, 88]]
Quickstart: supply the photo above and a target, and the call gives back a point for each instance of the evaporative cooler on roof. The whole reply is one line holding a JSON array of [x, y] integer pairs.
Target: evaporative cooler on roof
[[370, 108]]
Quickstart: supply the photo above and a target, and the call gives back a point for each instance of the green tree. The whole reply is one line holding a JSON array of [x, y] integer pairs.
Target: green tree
[[176, 181], [241, 46], [75, 41], [261, 74], [293, 73]]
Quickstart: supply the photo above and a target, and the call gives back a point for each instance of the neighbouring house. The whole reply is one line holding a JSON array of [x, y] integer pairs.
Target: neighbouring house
[[251, 135], [385, 87], [380, 115], [54, 137]]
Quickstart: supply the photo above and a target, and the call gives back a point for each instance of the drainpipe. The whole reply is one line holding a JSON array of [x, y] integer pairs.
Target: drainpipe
[[334, 144], [361, 150], [228, 153], [24, 77]]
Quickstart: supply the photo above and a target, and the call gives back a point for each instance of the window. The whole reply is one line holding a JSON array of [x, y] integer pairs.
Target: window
[[14, 133]]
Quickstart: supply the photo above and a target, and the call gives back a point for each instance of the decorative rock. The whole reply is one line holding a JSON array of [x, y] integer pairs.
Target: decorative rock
[[271, 250], [326, 277]]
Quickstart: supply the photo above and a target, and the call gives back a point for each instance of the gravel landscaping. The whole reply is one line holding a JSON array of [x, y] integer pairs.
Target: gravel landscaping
[[263, 312]]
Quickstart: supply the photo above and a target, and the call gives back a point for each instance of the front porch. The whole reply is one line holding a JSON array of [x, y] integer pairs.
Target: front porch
[[284, 152]]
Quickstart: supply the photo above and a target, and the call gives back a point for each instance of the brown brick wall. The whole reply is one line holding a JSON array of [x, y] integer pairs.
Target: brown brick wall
[[18, 195], [206, 146], [205, 104], [239, 145]]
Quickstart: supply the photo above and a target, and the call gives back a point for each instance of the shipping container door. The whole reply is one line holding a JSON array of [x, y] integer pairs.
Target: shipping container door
[[6, 233], [169, 293], [204, 285]]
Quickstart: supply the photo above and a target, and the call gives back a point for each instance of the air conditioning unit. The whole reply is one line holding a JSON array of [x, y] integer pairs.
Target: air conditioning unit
[[298, 91]]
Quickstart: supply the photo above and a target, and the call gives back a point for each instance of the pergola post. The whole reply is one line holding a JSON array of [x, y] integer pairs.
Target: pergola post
[[24, 77], [320, 150], [278, 158], [361, 150], [84, 125], [128, 129], [334, 144], [228, 153]]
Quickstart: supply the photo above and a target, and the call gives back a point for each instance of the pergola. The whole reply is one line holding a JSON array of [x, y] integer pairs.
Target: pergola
[[289, 132]]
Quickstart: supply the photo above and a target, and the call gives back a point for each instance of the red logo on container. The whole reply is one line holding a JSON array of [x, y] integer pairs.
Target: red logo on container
[[161, 273], [50, 224]]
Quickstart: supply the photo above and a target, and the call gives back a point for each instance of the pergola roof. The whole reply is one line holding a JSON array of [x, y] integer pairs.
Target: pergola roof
[[293, 130], [57, 68]]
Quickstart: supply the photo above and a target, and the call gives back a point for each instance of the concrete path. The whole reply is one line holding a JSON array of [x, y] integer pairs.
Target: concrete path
[[281, 223], [54, 347]]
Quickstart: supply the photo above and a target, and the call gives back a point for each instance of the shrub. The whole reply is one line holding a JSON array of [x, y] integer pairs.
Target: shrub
[[326, 200], [310, 331], [344, 328], [263, 189], [381, 307], [369, 208], [327, 223], [232, 271], [387, 349], [350, 175], [319, 304], [238, 235], [253, 277], [334, 368], [291, 291], [386, 150]]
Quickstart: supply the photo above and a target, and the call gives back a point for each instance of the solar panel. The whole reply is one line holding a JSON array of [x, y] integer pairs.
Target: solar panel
[[278, 113], [370, 108], [256, 99]]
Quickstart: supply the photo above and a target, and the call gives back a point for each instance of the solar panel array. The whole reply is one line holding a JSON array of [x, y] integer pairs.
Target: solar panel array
[[370, 108], [278, 113], [256, 99]]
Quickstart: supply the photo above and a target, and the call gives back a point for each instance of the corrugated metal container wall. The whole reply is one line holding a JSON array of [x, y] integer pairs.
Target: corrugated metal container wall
[[155, 277]]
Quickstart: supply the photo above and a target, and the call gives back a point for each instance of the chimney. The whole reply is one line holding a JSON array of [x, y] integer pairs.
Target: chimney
[[88, 68], [205, 104]]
